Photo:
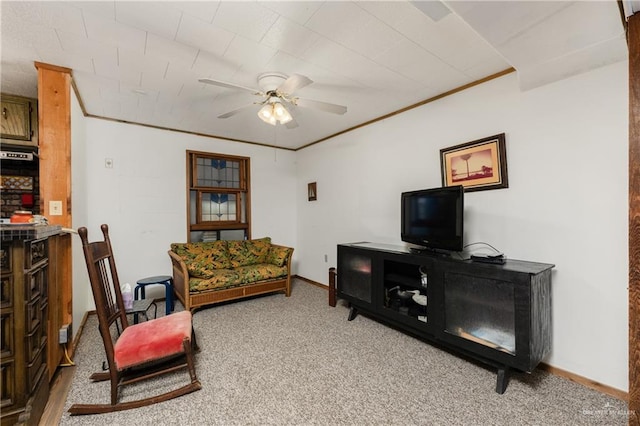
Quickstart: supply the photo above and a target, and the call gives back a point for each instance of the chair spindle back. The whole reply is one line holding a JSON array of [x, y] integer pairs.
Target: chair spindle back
[[105, 286]]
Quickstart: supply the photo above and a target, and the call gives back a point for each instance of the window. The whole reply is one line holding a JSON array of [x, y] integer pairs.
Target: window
[[218, 207]]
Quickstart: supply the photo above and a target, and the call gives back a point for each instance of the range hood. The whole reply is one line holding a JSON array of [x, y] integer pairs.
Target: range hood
[[6, 154], [11, 155]]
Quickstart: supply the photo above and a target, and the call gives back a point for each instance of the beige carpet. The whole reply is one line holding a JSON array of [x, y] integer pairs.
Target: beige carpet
[[296, 361]]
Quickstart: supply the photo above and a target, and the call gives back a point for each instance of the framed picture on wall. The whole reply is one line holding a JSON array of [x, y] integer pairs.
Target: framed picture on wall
[[312, 191], [477, 165]]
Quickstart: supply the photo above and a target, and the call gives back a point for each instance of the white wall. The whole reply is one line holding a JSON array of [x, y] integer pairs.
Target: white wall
[[143, 197], [566, 203]]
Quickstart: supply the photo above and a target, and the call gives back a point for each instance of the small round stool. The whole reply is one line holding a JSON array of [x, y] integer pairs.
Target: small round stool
[[166, 281]]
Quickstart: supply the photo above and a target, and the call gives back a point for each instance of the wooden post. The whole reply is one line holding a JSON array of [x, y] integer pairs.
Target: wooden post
[[634, 219], [332, 287], [54, 120]]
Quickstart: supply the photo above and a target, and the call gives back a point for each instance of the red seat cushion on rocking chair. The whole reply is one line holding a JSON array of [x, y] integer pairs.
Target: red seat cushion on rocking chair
[[151, 340]]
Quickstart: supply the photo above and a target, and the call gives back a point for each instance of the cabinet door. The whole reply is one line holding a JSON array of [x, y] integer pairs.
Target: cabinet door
[[7, 388], [7, 346], [355, 277], [16, 114], [481, 310]]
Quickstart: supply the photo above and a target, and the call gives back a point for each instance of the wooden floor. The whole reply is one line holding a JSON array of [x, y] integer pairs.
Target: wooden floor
[[57, 396]]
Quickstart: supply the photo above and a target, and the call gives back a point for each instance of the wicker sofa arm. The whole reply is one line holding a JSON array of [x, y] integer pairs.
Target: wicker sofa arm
[[288, 265], [289, 256], [180, 279]]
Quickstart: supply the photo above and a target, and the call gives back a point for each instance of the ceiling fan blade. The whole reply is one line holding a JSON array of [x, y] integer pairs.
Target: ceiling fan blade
[[229, 85], [322, 106], [235, 111], [293, 83], [291, 124]]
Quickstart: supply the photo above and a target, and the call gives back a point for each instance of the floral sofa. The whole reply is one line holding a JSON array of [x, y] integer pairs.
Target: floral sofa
[[205, 273]]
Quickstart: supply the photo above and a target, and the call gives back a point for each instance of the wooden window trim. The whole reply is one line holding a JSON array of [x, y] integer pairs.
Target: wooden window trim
[[219, 223], [243, 161], [242, 192]]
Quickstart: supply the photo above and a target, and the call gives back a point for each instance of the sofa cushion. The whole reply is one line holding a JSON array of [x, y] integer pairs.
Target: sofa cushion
[[203, 258], [250, 252], [262, 271], [278, 255], [221, 278]]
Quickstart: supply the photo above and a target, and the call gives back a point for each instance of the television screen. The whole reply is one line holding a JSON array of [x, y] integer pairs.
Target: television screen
[[433, 218]]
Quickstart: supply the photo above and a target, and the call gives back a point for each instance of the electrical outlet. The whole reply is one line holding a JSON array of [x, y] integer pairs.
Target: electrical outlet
[[108, 163], [326, 258], [64, 334], [55, 208]]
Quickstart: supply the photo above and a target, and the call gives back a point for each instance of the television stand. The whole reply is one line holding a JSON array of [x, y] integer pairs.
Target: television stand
[[353, 313], [499, 314], [502, 380]]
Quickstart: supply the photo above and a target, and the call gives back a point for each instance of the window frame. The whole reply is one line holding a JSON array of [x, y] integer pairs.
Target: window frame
[[242, 193], [218, 223]]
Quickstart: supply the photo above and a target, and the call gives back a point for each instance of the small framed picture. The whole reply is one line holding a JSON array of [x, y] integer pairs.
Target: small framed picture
[[477, 165], [312, 191]]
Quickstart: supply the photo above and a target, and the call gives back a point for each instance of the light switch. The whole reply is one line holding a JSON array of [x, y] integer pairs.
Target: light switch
[[55, 208]]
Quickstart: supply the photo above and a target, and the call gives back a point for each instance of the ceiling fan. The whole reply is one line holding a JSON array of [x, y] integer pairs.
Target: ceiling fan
[[277, 90]]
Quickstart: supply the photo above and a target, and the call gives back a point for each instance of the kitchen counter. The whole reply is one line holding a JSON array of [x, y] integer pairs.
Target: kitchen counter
[[28, 231]]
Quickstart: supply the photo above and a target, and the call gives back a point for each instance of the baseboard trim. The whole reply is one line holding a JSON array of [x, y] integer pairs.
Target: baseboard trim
[[584, 381], [315, 283], [76, 336]]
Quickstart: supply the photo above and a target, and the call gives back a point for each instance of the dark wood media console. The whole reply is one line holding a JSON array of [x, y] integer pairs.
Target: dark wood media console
[[497, 314]]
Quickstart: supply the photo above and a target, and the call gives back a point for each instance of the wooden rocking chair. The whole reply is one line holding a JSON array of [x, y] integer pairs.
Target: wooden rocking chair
[[141, 351]]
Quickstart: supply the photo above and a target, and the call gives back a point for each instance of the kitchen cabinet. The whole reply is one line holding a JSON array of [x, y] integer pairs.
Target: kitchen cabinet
[[28, 315], [19, 120]]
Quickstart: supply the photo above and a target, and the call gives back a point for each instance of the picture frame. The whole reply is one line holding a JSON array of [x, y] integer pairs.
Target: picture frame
[[477, 165], [312, 191]]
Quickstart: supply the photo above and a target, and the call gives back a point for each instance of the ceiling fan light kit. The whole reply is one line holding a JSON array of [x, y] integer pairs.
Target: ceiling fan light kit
[[282, 115], [266, 115], [277, 89], [273, 113]]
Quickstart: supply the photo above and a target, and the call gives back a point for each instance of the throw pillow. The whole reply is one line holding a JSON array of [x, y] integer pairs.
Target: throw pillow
[[278, 255], [250, 252], [202, 259]]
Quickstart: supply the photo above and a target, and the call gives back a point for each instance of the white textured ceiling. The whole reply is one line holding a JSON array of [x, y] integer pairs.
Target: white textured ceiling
[[140, 61]]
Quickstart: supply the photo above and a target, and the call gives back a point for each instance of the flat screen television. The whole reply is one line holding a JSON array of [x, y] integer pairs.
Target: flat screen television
[[433, 218]]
